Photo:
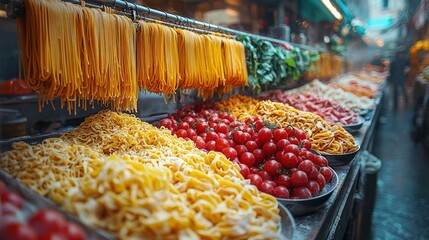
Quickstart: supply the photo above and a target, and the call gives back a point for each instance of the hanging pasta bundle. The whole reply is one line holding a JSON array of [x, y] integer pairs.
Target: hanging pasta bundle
[[50, 51], [190, 68], [78, 54], [157, 58]]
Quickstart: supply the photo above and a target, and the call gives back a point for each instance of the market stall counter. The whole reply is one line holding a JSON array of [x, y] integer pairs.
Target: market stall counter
[[340, 216]]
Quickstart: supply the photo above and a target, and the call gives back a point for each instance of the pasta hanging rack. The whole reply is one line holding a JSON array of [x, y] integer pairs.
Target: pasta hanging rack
[[132, 10]]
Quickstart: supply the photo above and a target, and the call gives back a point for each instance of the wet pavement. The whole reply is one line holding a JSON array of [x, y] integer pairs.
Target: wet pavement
[[402, 201]]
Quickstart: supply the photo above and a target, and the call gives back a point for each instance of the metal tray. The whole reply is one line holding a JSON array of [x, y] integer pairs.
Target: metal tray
[[287, 223], [340, 159], [300, 207], [356, 126]]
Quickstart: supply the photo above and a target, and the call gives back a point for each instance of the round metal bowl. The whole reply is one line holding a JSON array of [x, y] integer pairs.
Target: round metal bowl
[[287, 223], [364, 112], [304, 206], [354, 127], [340, 159]]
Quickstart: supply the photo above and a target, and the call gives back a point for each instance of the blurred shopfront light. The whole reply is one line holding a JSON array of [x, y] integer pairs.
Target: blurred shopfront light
[[332, 9]]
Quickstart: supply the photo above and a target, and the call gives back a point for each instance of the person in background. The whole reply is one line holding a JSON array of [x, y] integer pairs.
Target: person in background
[[398, 71]]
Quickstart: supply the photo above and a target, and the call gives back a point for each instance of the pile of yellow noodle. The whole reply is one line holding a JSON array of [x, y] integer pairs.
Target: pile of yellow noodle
[[78, 54], [325, 138], [137, 181]]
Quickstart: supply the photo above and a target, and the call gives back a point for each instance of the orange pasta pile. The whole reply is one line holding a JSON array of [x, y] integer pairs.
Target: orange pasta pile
[[324, 137], [78, 54]]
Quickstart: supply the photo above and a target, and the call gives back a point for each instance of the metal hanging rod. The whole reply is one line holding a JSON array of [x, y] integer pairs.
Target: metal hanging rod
[[16, 8]]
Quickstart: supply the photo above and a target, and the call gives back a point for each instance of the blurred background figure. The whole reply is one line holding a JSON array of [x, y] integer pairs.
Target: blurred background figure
[[398, 71]]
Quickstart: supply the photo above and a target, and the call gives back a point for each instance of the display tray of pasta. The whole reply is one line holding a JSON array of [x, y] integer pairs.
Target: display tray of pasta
[[133, 180]]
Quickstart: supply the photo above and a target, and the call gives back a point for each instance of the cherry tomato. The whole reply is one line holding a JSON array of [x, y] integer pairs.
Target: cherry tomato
[[301, 192], [46, 220], [182, 133], [205, 113], [269, 148], [166, 122], [306, 166], [239, 137], [264, 175], [221, 128], [8, 209], [314, 188], [279, 134], [212, 136], [281, 144], [293, 140], [17, 231], [245, 171], [255, 180], [321, 180], [221, 144], [74, 232], [199, 142], [190, 120], [251, 146], [298, 179], [191, 133], [305, 154], [248, 159], [202, 127], [306, 144], [299, 134], [240, 149], [272, 166], [254, 170], [234, 124], [320, 160], [214, 119], [182, 113], [288, 160], [13, 198], [230, 153], [327, 173], [259, 155], [313, 174], [265, 134], [222, 135], [281, 192], [247, 137], [210, 145], [292, 148], [183, 125], [283, 180], [267, 188]]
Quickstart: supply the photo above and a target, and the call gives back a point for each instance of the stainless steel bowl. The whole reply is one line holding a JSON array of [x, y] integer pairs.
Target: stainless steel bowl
[[304, 206], [354, 127], [287, 223], [340, 159]]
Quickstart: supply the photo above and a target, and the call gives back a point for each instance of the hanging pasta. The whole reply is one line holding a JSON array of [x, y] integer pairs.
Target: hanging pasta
[[78, 54], [158, 44]]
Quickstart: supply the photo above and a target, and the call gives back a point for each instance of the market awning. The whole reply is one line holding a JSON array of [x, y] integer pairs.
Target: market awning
[[324, 10]]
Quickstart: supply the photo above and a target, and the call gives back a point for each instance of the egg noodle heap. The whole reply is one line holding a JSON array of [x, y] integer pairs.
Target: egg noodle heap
[[137, 181], [325, 138], [82, 54]]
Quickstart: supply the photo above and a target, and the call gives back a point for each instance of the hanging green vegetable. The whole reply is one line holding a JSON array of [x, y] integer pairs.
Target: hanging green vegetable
[[272, 65]]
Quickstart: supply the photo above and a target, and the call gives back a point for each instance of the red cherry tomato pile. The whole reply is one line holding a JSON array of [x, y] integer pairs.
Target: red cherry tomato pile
[[276, 160], [44, 224]]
